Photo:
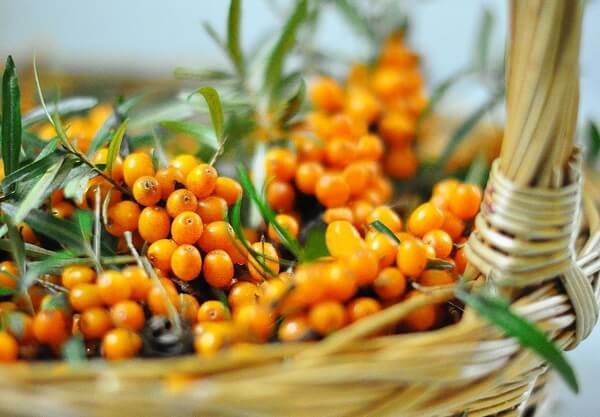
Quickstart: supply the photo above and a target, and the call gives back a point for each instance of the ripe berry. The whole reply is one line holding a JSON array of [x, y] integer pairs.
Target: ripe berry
[[212, 209], [390, 284], [280, 196], [160, 294], [154, 224], [401, 162], [286, 221], [9, 348], [188, 308], [184, 164], [186, 262], [436, 277], [220, 235], [114, 287], [127, 314], [84, 296], [336, 214], [270, 261], [181, 200], [50, 326], [327, 317], [202, 180], [326, 94], [332, 190], [146, 191], [465, 201], [254, 320], [167, 179], [357, 175], [440, 241], [77, 274], [280, 164], [307, 175], [95, 322], [364, 264], [228, 189], [122, 217], [387, 216], [187, 228], [426, 217], [369, 147], [361, 308], [139, 282], [295, 328], [422, 318], [120, 344], [412, 258], [339, 282], [160, 253], [137, 165], [242, 293], [218, 269], [339, 152], [343, 239]]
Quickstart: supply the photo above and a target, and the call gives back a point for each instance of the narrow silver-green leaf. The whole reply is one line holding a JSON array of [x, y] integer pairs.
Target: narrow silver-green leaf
[[483, 39], [17, 246], [73, 350], [115, 145], [30, 171], [478, 170], [201, 133], [382, 228], [35, 197], [11, 118], [355, 18], [201, 74], [315, 246], [233, 36], [31, 250], [216, 109], [64, 107], [594, 142], [37, 269]]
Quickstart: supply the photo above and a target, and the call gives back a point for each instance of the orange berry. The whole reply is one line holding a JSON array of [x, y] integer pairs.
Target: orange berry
[[440, 241], [269, 260], [120, 344], [95, 322], [114, 287], [122, 217], [343, 239], [453, 226], [139, 282], [9, 347], [289, 223], [387, 216], [307, 175], [202, 180], [184, 164], [146, 191], [425, 218], [308, 149], [84, 296], [465, 201], [63, 210], [397, 128], [444, 190], [412, 258], [357, 176], [137, 165], [213, 310], [360, 103], [186, 262], [242, 293], [327, 317], [159, 296], [188, 308], [117, 168], [361, 308], [254, 320], [187, 228], [280, 196], [220, 235], [107, 190], [271, 292], [364, 264], [340, 152], [51, 327], [460, 261], [338, 213], [167, 179], [218, 269], [154, 224], [326, 94], [160, 253], [435, 277], [280, 164], [228, 189], [212, 209], [390, 284], [27, 233], [212, 338], [295, 328], [361, 209], [77, 274], [339, 281], [181, 200], [127, 314], [369, 147], [401, 162], [384, 247], [332, 190], [421, 319]]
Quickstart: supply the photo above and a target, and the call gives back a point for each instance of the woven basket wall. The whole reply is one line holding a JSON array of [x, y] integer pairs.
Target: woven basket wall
[[537, 239]]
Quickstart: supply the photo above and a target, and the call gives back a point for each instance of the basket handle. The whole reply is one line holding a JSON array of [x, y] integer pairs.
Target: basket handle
[[530, 216]]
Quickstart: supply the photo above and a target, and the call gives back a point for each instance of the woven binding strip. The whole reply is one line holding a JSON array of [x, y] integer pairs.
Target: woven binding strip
[[525, 236]]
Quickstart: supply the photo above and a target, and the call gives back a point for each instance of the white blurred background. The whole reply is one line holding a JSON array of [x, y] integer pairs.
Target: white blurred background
[[149, 38]]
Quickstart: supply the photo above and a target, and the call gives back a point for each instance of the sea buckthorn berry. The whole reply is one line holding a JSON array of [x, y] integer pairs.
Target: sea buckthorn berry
[[326, 94], [361, 103], [77, 274], [369, 147], [186, 262], [412, 258], [280, 196], [383, 187], [421, 319], [339, 281], [453, 226], [107, 190], [220, 235], [9, 347], [340, 152], [181, 200], [50, 327], [308, 149], [202, 180], [139, 282], [397, 128], [327, 317], [211, 339], [343, 239], [280, 164], [122, 217], [184, 164], [242, 293], [218, 269], [114, 287], [160, 254], [307, 285], [425, 218], [212, 209], [361, 308], [167, 179], [187, 228], [295, 328], [289, 223], [27, 233], [263, 266], [443, 192], [436, 277], [364, 264], [137, 165], [254, 320], [160, 294], [465, 201], [440, 241], [384, 247], [307, 175], [357, 176], [188, 308], [401, 162], [460, 261], [84, 296], [117, 168], [120, 344], [127, 314], [339, 213], [146, 191], [63, 210], [228, 189], [390, 284], [387, 216], [271, 292], [154, 224], [8, 274], [95, 322], [212, 310], [332, 190], [361, 209]]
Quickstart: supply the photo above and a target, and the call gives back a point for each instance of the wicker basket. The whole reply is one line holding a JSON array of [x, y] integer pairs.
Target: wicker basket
[[536, 239]]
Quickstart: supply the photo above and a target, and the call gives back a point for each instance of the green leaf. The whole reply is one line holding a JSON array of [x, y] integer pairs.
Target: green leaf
[[216, 109], [73, 350], [85, 220], [76, 183], [11, 118], [30, 171], [6, 291], [315, 246], [483, 39], [115, 145], [214, 35], [31, 251], [233, 36], [288, 97], [478, 170], [205, 75], [499, 313], [594, 146], [382, 228], [17, 246], [201, 133], [355, 18], [37, 269], [269, 215], [283, 46], [64, 107]]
